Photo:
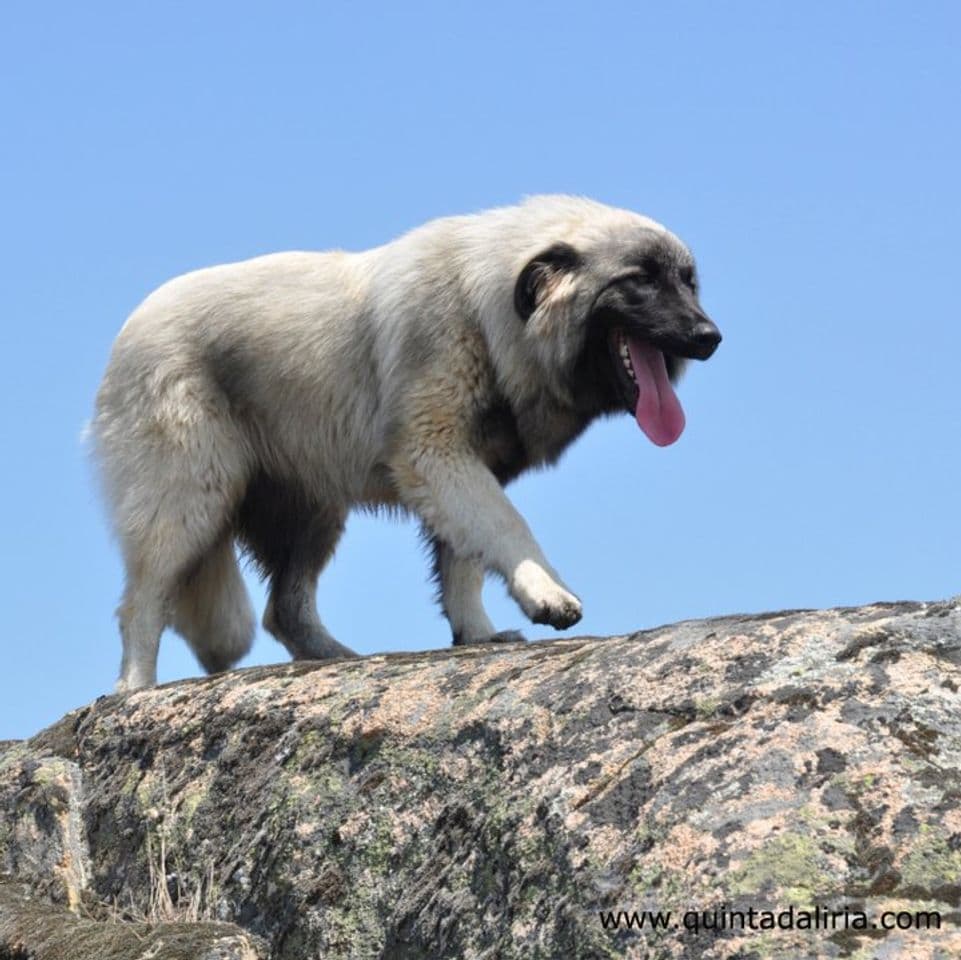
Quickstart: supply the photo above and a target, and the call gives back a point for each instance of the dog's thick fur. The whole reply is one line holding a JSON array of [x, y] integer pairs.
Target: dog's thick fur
[[263, 400]]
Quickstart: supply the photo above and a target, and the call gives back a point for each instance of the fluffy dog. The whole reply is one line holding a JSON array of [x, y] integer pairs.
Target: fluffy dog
[[260, 401]]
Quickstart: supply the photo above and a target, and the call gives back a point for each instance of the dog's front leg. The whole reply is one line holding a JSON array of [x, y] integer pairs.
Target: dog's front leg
[[461, 581], [459, 499]]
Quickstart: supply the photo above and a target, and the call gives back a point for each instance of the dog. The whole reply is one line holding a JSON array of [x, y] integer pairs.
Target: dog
[[260, 401]]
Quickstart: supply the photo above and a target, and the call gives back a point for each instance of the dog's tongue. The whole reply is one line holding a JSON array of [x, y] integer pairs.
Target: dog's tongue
[[658, 411]]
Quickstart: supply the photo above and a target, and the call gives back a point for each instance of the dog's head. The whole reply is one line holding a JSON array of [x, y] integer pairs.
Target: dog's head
[[614, 302]]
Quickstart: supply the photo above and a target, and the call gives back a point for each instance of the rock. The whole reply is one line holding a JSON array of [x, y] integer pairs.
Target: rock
[[783, 770]]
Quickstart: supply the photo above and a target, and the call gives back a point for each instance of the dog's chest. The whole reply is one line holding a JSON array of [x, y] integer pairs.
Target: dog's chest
[[510, 442], [498, 441]]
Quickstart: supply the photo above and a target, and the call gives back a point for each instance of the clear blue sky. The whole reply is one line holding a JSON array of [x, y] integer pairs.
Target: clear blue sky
[[809, 154]]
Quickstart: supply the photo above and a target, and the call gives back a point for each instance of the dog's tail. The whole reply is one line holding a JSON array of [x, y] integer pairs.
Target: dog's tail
[[212, 610]]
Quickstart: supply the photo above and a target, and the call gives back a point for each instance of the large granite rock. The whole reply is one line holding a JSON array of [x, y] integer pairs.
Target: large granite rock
[[501, 801]]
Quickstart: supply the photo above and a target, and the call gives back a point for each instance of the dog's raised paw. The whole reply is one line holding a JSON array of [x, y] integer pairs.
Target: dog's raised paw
[[560, 616], [542, 598]]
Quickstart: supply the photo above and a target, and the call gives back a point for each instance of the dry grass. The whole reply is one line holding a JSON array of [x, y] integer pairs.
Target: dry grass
[[172, 896], [184, 904]]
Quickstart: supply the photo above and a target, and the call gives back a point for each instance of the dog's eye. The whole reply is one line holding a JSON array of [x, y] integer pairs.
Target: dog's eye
[[650, 269], [641, 282], [647, 273], [687, 277]]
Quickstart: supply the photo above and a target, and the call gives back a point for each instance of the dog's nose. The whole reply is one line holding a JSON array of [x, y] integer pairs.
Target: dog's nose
[[705, 337]]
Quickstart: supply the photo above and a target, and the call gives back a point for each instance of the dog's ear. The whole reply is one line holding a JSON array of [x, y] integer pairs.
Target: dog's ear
[[537, 278]]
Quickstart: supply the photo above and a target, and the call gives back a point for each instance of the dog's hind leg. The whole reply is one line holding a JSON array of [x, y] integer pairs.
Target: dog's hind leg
[[291, 614], [174, 467], [180, 529], [461, 582], [292, 540], [143, 614]]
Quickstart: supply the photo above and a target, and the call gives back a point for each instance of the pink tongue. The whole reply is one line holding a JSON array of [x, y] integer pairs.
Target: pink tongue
[[658, 411]]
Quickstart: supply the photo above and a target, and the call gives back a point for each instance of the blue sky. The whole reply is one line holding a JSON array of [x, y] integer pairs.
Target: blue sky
[[809, 155]]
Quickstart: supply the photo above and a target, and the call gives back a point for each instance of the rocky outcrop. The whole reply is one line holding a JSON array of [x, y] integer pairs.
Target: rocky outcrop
[[784, 786]]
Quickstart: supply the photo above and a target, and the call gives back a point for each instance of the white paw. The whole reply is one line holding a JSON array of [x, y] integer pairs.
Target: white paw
[[542, 598]]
